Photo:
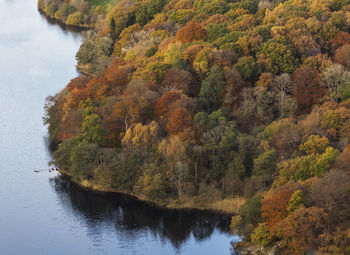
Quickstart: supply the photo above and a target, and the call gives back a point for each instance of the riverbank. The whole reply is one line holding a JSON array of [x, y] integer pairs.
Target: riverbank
[[227, 206], [79, 14], [62, 22]]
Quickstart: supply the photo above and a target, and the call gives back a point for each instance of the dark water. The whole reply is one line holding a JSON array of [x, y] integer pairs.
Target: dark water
[[43, 213]]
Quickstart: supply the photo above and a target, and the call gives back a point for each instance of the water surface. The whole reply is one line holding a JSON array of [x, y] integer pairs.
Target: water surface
[[42, 213]]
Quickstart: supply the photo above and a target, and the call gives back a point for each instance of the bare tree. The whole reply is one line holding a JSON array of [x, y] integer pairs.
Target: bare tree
[[335, 79], [283, 86], [332, 193]]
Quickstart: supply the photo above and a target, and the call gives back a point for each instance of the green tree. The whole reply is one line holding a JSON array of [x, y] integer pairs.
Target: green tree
[[154, 7], [75, 18], [265, 164], [280, 56], [84, 158], [248, 68], [295, 202], [93, 130], [250, 211], [211, 87], [261, 235]]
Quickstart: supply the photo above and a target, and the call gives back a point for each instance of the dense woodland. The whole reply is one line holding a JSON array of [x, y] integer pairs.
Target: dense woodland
[[240, 106]]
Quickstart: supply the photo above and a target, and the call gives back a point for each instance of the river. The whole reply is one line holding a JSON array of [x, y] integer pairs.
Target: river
[[43, 213]]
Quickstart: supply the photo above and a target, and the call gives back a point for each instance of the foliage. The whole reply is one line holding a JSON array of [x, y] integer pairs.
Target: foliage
[[274, 205], [200, 102], [300, 230], [191, 32], [211, 88], [265, 164], [279, 57], [250, 211], [261, 235], [296, 201]]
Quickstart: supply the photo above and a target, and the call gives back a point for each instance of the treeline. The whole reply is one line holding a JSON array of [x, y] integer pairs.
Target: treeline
[[77, 13], [204, 103]]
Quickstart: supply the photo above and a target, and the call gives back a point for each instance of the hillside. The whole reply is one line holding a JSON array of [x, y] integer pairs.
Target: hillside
[[215, 104]]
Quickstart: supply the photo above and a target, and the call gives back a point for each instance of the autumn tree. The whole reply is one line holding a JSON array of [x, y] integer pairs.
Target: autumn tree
[[191, 32], [343, 161], [342, 55], [164, 103], [179, 120], [274, 205], [127, 111], [308, 88], [182, 80], [141, 137], [174, 151], [300, 231]]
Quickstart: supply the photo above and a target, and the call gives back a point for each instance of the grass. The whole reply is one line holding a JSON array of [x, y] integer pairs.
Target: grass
[[228, 205]]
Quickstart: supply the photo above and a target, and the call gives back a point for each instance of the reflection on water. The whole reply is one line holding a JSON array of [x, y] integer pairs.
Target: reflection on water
[[134, 219]]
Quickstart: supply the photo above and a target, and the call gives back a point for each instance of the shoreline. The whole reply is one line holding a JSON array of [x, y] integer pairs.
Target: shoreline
[[52, 19], [158, 204]]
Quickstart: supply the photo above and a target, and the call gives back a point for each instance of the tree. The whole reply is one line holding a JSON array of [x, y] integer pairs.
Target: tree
[[181, 80], [141, 138], [93, 129], [215, 31], [308, 88], [191, 32], [262, 235], [300, 231], [315, 164], [332, 193], [84, 159], [164, 103], [274, 205], [179, 120], [314, 145], [342, 55], [283, 136], [279, 57], [335, 78], [248, 68], [174, 152], [154, 7], [250, 211], [201, 61], [75, 18], [129, 108], [211, 87], [283, 85], [343, 161], [296, 201], [265, 164], [340, 39]]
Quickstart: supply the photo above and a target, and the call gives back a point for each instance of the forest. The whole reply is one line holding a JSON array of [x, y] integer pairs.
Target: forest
[[239, 106]]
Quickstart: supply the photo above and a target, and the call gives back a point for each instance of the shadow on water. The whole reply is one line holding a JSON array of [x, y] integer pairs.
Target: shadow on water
[[130, 216]]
